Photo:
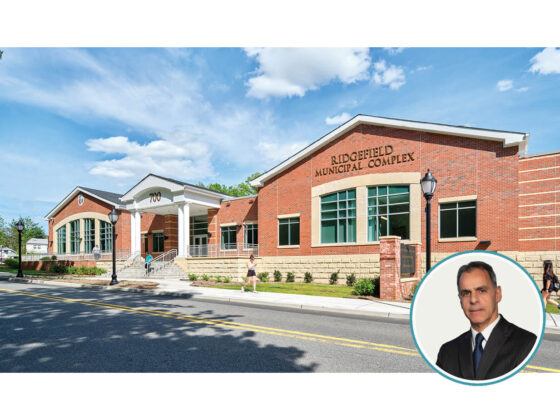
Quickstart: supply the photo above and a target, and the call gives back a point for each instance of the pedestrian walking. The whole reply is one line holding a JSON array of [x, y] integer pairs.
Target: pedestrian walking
[[549, 279], [148, 260], [251, 274]]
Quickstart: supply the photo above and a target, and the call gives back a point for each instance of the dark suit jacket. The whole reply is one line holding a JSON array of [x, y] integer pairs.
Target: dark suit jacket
[[506, 348]]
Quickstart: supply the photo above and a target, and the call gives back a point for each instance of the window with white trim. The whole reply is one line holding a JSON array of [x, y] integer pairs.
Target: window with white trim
[[288, 231], [229, 238], [251, 235], [457, 219]]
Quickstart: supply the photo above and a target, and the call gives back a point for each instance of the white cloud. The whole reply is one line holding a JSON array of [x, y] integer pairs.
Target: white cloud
[[184, 161], [522, 89], [338, 119], [392, 76], [423, 68], [394, 51], [277, 152], [546, 62], [286, 72], [504, 85]]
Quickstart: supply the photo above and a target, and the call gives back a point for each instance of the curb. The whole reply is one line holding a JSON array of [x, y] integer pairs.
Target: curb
[[236, 300], [218, 299]]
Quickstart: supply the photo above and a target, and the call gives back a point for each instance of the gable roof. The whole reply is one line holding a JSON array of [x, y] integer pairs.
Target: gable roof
[[508, 138], [179, 183], [105, 196]]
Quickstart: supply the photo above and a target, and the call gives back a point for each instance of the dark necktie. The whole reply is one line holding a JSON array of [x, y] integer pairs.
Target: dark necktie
[[477, 354]]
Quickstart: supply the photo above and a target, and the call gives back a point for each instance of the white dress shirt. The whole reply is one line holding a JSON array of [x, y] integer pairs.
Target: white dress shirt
[[485, 333]]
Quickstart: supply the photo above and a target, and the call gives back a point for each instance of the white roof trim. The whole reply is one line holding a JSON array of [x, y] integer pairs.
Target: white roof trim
[[508, 138], [69, 198]]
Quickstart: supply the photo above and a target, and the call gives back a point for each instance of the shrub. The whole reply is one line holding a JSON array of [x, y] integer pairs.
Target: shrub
[[11, 262], [377, 287], [72, 270], [218, 279], [263, 276], [227, 279], [205, 277], [290, 277], [307, 277], [277, 275], [334, 277], [53, 258], [58, 269], [46, 258], [364, 287], [193, 277], [350, 280]]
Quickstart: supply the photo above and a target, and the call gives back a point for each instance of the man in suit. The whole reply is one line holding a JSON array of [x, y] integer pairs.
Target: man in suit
[[493, 346]]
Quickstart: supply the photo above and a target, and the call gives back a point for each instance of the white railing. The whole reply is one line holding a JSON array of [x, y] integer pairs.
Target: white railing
[[223, 250], [121, 255], [161, 261]]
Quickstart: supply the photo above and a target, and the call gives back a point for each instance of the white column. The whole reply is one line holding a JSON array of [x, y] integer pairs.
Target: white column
[[180, 232], [133, 231], [186, 227], [138, 236]]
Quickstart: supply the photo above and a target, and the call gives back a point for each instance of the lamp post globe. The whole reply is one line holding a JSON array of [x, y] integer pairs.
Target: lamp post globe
[[19, 226], [428, 184], [113, 218]]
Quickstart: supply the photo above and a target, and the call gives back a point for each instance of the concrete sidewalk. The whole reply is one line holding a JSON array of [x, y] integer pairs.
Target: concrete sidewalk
[[360, 307]]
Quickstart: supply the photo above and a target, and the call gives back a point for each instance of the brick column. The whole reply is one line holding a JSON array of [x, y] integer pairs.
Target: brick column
[[390, 268]]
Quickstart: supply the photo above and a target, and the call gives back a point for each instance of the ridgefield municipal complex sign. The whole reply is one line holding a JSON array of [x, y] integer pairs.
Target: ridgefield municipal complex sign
[[371, 158]]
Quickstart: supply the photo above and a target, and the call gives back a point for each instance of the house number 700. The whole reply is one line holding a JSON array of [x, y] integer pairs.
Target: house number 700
[[155, 197]]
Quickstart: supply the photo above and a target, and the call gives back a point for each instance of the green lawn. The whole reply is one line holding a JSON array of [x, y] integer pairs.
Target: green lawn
[[293, 288], [552, 309]]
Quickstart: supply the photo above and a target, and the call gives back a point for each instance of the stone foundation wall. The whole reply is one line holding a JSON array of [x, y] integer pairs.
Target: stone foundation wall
[[320, 266], [532, 261]]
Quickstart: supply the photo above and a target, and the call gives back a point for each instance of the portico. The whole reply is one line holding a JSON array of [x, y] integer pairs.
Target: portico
[[167, 197]]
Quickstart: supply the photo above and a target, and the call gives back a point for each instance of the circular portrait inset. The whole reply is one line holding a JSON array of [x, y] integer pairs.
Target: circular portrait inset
[[477, 317]]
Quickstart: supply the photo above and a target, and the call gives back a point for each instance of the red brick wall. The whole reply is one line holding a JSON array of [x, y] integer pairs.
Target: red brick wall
[[539, 195], [235, 211], [92, 204], [462, 166]]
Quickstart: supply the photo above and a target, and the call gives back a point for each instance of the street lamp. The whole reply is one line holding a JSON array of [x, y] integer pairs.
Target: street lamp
[[428, 184], [19, 227], [113, 217]]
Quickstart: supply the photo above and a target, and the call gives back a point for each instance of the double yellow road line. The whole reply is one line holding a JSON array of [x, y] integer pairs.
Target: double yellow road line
[[345, 342]]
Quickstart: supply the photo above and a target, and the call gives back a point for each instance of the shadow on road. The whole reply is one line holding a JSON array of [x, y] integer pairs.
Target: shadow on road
[[39, 335]]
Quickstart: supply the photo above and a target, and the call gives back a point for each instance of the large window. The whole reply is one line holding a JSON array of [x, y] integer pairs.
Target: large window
[[106, 237], [157, 242], [61, 240], [75, 237], [229, 240], [89, 235], [288, 231], [338, 217], [251, 235], [388, 211], [457, 220]]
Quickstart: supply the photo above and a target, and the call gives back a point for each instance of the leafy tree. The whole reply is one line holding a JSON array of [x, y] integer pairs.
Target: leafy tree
[[239, 190], [31, 230], [1, 52]]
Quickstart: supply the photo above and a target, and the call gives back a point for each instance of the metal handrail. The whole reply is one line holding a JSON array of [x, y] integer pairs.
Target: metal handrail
[[161, 261], [229, 250]]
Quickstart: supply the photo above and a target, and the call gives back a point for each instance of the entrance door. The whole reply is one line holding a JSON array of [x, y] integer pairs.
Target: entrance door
[[199, 246]]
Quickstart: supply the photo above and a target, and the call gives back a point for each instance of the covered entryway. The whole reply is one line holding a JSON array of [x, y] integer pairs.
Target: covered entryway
[[185, 208]]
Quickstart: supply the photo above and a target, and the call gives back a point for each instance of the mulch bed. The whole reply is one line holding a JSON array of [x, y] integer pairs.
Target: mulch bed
[[98, 282]]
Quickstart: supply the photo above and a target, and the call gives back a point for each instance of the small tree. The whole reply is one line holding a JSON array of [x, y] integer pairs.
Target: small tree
[[307, 277], [350, 280], [290, 277], [334, 277], [277, 275]]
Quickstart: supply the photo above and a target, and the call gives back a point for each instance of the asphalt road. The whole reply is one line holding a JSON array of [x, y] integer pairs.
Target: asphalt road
[[56, 329]]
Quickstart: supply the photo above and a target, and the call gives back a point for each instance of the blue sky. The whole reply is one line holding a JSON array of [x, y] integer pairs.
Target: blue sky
[[105, 117]]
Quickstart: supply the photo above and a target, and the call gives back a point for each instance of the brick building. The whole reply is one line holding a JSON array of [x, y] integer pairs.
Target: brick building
[[325, 208]]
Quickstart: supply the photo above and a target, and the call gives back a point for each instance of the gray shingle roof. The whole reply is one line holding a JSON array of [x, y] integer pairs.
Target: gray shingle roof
[[105, 195]]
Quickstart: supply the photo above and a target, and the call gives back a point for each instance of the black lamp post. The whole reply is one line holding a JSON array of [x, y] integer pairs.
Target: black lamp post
[[113, 217], [19, 227], [428, 184]]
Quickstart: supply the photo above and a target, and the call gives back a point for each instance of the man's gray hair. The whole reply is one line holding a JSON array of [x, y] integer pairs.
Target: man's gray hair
[[467, 268]]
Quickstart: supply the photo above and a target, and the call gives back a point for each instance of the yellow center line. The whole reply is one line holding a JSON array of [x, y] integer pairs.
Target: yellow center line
[[233, 325], [346, 342]]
